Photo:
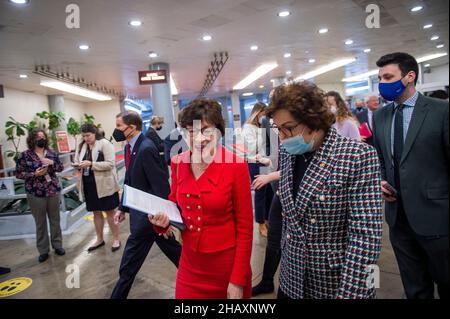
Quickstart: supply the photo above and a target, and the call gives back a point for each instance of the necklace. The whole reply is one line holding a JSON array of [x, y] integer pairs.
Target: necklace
[[307, 158]]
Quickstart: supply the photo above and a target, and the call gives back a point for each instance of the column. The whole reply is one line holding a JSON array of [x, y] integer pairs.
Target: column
[[162, 101]]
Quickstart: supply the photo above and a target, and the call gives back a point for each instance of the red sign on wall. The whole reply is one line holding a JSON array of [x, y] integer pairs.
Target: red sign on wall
[[152, 77]]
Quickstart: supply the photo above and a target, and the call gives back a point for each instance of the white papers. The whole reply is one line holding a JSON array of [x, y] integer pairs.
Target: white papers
[[150, 204]]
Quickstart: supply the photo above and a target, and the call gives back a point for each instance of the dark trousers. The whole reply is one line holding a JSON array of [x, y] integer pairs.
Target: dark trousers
[[136, 250], [423, 260], [263, 196], [273, 248]]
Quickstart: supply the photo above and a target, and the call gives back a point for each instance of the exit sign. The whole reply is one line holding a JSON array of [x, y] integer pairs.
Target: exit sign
[[152, 77]]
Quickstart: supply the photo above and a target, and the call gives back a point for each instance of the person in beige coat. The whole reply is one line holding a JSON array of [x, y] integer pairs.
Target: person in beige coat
[[95, 158]]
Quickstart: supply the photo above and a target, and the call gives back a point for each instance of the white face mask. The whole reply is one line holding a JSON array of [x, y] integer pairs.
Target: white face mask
[[333, 109]]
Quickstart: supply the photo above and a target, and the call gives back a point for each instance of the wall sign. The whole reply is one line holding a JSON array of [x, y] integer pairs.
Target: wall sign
[[152, 77]]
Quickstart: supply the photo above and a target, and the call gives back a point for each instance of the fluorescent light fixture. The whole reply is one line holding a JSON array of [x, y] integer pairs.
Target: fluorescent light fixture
[[284, 14], [153, 55], [207, 38], [248, 94], [323, 31], [84, 47], [431, 57], [427, 26], [427, 65], [73, 89], [349, 42], [434, 38], [357, 89], [367, 50], [326, 68], [440, 46], [370, 73], [287, 55], [135, 23], [254, 47], [255, 75], [173, 87], [312, 61], [23, 76], [416, 9], [362, 76], [19, 1]]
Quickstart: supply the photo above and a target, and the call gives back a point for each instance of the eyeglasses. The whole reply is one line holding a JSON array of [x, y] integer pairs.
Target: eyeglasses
[[287, 130], [207, 132]]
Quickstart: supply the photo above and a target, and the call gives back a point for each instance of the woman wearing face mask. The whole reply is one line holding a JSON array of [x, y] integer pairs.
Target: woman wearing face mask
[[331, 201], [212, 189], [99, 182], [254, 139], [346, 124], [38, 167]]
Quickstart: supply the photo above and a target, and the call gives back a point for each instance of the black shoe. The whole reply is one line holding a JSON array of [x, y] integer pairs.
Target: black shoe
[[60, 251], [263, 288], [113, 249], [96, 247], [43, 257], [4, 271]]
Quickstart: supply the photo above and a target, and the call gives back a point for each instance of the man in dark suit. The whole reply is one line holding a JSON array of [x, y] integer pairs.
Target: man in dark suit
[[174, 144], [144, 172], [365, 115], [412, 139], [156, 124]]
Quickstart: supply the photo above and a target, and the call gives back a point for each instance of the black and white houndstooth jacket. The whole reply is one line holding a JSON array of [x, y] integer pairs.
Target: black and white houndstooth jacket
[[332, 229]]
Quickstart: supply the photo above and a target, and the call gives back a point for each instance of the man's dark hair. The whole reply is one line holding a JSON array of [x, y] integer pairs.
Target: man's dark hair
[[405, 62], [439, 94], [131, 118]]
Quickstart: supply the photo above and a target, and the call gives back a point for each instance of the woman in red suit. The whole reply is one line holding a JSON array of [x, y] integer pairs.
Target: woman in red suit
[[211, 186]]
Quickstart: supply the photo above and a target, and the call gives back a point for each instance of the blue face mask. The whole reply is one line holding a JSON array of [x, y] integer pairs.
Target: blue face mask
[[297, 146], [391, 91]]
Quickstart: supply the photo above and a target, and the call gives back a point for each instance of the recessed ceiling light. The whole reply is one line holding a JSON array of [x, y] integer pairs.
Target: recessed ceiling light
[[135, 23], [434, 38], [367, 50], [19, 1], [284, 14], [23, 76], [84, 47], [312, 61], [349, 42], [254, 47], [440, 46], [288, 72], [417, 8], [323, 31], [427, 26], [427, 65], [207, 38], [153, 55], [287, 55], [247, 94]]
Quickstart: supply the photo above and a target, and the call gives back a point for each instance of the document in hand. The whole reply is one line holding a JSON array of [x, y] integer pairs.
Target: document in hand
[[152, 205]]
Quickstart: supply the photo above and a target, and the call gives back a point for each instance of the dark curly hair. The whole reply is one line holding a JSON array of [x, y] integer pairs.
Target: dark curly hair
[[305, 102], [203, 109], [32, 136]]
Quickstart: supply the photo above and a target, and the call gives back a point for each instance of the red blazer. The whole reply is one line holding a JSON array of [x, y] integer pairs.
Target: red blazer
[[217, 208]]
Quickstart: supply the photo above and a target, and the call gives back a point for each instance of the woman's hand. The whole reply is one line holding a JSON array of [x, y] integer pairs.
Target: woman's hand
[[47, 162], [41, 171], [85, 164], [160, 220], [261, 181], [234, 291]]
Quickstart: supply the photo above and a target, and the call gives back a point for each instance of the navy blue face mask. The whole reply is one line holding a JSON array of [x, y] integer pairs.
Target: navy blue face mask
[[391, 91]]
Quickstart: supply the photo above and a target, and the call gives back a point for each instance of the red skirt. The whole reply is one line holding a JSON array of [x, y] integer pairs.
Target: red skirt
[[207, 275]]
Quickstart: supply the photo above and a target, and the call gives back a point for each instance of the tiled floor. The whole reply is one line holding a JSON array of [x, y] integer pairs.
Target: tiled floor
[[99, 270]]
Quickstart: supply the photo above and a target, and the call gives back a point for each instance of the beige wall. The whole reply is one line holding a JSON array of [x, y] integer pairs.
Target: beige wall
[[338, 87], [23, 107]]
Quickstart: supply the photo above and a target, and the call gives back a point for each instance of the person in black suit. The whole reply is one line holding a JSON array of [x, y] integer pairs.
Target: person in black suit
[[412, 139], [174, 144], [144, 172], [152, 133], [365, 115]]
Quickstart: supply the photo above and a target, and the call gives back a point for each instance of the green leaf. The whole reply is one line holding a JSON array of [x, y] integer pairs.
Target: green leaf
[[20, 131], [9, 131]]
